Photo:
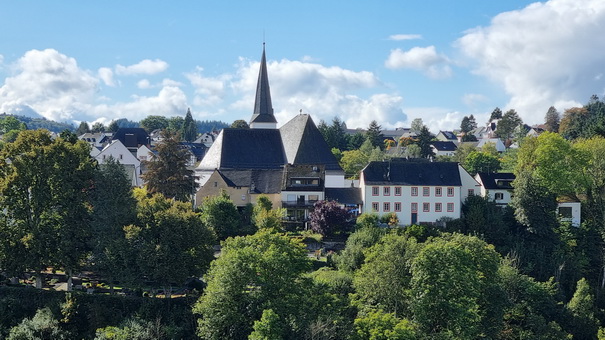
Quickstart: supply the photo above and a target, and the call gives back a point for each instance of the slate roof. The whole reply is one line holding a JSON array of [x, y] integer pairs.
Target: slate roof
[[245, 149], [404, 172], [259, 181], [346, 196], [490, 180], [304, 144], [449, 135], [444, 146], [197, 149], [132, 137], [263, 109]]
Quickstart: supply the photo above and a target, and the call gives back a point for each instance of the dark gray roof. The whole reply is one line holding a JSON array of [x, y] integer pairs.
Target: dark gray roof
[[496, 180], [245, 149], [132, 137], [259, 181], [444, 146], [402, 172], [304, 144], [346, 196], [449, 135], [263, 109]]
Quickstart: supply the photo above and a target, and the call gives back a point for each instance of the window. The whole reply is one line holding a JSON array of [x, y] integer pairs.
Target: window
[[438, 207], [397, 206], [471, 192], [450, 192], [313, 198], [450, 207], [215, 184], [386, 207], [386, 191], [499, 196], [121, 157], [426, 191], [565, 212], [426, 207], [397, 191], [438, 191], [414, 207], [375, 206], [243, 197], [375, 191], [414, 191]]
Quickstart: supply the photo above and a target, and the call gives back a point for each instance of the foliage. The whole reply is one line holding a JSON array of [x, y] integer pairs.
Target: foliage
[[167, 173], [82, 129], [534, 205], [352, 257], [132, 329], [42, 326], [468, 124], [508, 123], [254, 273], [424, 142], [479, 161], [552, 119], [496, 114], [239, 124], [151, 123], [220, 214], [352, 162], [383, 326], [328, 217], [335, 134], [582, 309], [268, 327], [189, 128], [374, 134], [416, 125], [169, 241]]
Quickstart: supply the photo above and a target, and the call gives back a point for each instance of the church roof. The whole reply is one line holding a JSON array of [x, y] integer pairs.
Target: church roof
[[304, 144], [402, 172], [263, 109]]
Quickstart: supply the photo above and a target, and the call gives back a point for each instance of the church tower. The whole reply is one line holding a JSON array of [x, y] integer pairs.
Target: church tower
[[263, 118]]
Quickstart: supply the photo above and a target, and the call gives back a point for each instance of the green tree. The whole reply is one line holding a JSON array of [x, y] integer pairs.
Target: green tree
[[114, 207], [83, 128], [132, 329], [335, 134], [45, 194], [353, 256], [574, 122], [113, 126], [269, 327], [478, 161], [552, 119], [417, 125], [496, 114], [352, 162], [383, 326], [43, 326], [189, 128], [508, 123], [98, 127], [254, 273], [374, 134], [169, 241], [220, 214], [582, 308], [151, 123], [424, 142], [175, 124], [240, 124], [355, 140], [167, 173]]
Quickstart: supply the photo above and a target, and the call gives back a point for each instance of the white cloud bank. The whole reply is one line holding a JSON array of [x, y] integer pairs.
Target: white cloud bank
[[546, 54], [425, 59], [143, 67]]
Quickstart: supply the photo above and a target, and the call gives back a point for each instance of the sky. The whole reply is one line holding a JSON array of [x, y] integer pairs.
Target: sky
[[385, 60]]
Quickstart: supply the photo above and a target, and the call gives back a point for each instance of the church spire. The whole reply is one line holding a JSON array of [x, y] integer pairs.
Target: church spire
[[262, 117]]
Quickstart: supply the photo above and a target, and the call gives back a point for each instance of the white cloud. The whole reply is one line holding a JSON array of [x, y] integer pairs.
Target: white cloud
[[435, 118], [208, 90], [144, 84], [425, 59], [146, 66], [473, 99], [48, 83], [545, 54], [399, 37], [106, 75]]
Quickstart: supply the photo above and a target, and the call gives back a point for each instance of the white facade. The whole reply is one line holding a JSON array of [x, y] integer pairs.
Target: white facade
[[257, 125], [496, 141], [570, 212], [144, 153], [120, 153], [334, 179]]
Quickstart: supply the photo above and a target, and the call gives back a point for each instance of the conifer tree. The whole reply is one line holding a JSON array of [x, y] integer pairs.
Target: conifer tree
[[189, 129]]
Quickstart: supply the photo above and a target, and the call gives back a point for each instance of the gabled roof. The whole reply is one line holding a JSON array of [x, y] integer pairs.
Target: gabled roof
[[347, 196], [263, 109], [304, 144], [448, 135], [492, 180], [259, 181], [404, 172], [444, 146], [132, 137], [245, 149]]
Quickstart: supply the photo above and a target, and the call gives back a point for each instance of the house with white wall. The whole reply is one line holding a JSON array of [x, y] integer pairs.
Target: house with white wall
[[416, 191], [120, 153]]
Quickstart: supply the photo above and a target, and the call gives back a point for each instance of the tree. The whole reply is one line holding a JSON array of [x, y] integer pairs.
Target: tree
[[269, 327], [328, 217], [582, 308], [508, 123], [167, 173], [10, 123], [496, 114], [175, 124], [240, 124], [465, 125], [478, 161], [551, 120], [383, 326], [417, 125], [169, 241], [254, 273], [113, 126], [82, 128], [114, 207], [424, 142], [352, 162], [45, 194], [534, 204], [265, 217], [374, 134], [368, 233], [151, 123], [220, 214], [574, 122], [98, 127], [42, 326], [189, 128], [355, 140]]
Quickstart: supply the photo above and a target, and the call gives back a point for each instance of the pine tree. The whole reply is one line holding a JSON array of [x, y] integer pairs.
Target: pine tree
[[189, 129], [552, 119]]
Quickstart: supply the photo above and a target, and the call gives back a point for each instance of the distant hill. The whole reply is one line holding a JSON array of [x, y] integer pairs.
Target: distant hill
[[210, 125], [41, 123]]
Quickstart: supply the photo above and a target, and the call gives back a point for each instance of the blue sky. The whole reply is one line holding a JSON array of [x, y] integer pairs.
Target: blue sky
[[391, 61]]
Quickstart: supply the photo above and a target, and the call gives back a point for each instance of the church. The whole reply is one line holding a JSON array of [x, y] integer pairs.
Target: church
[[292, 165]]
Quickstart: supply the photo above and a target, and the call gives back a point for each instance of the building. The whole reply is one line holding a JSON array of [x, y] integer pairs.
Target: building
[[441, 148], [416, 191], [249, 162]]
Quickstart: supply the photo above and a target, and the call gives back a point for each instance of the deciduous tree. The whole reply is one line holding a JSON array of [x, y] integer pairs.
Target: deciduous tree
[[328, 217]]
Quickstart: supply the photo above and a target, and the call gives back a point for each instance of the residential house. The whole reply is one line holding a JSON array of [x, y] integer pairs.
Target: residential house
[[120, 153], [500, 147], [447, 136], [96, 140], [416, 191], [132, 138], [440, 148]]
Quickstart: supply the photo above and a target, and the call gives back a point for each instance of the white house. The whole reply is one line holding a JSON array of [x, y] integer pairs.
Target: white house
[[144, 153], [418, 192], [120, 153], [441, 148], [500, 147]]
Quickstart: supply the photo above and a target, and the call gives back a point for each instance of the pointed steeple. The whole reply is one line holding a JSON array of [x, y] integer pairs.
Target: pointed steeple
[[262, 117]]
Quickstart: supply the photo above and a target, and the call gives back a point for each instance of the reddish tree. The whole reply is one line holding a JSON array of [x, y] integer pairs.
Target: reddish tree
[[328, 217]]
